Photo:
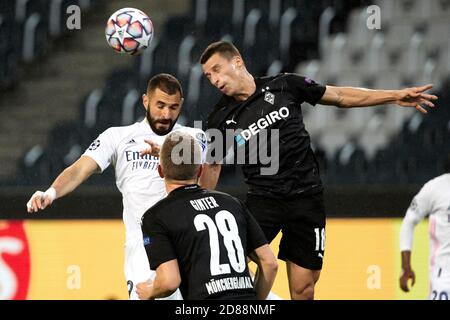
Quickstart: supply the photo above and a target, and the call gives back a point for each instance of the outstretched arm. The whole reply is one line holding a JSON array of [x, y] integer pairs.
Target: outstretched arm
[[166, 282], [65, 183], [349, 97], [210, 176]]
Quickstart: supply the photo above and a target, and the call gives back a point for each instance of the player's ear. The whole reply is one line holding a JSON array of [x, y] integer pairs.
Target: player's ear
[[181, 102], [145, 101], [237, 61], [160, 171]]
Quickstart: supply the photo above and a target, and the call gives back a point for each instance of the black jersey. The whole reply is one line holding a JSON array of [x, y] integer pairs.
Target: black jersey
[[276, 104], [210, 234]]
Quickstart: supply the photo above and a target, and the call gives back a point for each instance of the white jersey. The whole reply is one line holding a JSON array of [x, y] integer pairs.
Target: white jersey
[[137, 179], [433, 200]]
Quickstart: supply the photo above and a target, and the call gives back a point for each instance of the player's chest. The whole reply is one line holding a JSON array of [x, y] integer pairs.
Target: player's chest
[[264, 110], [130, 157]]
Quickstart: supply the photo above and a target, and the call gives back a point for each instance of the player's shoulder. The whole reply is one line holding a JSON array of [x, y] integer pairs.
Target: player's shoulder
[[154, 213], [280, 77], [193, 131], [197, 133], [121, 131], [228, 198], [297, 79], [116, 135], [284, 79], [438, 181]]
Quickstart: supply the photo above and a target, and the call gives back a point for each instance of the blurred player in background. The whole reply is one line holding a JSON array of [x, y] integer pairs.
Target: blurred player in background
[[292, 199], [433, 200], [136, 173], [198, 240]]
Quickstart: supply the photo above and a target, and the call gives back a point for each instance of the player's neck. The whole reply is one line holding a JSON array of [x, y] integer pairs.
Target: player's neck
[[248, 87], [172, 185]]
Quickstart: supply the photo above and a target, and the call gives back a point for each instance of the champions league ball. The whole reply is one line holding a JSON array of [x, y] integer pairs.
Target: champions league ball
[[129, 31]]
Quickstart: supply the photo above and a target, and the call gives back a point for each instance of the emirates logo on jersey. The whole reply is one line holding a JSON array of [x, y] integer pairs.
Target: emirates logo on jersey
[[14, 261]]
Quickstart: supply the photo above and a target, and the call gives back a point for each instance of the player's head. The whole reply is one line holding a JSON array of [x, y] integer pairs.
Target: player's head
[[180, 159], [163, 102], [223, 66]]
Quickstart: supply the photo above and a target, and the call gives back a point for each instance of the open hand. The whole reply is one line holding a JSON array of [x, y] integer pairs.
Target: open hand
[[152, 150], [415, 97]]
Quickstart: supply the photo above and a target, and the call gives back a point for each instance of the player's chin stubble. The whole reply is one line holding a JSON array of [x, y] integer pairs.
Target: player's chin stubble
[[153, 122]]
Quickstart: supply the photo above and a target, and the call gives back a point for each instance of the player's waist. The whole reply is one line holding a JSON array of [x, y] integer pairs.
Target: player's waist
[[441, 266], [283, 188]]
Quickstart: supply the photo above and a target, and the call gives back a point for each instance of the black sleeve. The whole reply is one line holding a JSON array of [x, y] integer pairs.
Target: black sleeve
[[255, 236], [157, 241], [305, 89]]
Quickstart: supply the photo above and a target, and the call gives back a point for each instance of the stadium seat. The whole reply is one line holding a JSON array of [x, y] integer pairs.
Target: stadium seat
[[437, 34], [35, 38], [201, 97], [36, 168], [131, 100], [257, 49], [440, 9], [359, 36], [349, 165], [177, 27]]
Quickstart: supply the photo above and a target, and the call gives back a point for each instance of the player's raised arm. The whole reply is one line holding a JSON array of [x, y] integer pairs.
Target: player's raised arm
[[65, 183], [267, 270], [210, 176], [349, 97]]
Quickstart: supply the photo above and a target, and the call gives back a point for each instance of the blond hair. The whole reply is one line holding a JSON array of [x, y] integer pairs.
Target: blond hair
[[180, 156]]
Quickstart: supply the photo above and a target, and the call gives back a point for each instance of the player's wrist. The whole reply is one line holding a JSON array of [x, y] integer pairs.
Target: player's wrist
[[406, 268], [50, 193]]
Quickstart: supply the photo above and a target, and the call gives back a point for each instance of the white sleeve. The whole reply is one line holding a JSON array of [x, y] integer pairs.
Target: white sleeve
[[419, 208], [203, 141], [103, 149]]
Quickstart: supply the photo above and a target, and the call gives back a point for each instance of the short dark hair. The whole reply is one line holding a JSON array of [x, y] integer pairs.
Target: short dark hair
[[165, 82], [183, 163], [225, 49]]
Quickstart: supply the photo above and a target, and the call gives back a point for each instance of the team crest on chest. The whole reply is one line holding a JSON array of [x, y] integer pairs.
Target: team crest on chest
[[269, 97]]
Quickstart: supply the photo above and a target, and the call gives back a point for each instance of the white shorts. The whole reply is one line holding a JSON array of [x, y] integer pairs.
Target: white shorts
[[440, 289], [440, 283], [137, 269]]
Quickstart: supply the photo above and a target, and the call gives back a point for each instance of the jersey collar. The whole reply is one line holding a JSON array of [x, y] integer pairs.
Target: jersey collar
[[189, 187]]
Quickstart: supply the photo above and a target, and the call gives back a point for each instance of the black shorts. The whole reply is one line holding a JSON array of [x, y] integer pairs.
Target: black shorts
[[302, 222]]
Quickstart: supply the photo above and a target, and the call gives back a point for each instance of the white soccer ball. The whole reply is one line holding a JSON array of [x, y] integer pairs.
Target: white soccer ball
[[129, 30]]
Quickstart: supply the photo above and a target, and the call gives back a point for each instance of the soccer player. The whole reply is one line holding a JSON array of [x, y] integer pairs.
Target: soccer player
[[291, 199], [199, 240], [433, 200], [136, 173]]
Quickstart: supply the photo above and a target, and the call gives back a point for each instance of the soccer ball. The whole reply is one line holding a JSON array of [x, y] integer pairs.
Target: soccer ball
[[129, 31]]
